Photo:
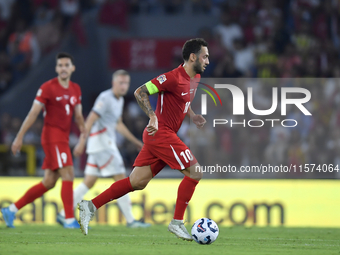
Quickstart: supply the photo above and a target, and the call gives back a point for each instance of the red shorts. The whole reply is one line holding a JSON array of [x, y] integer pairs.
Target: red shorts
[[165, 148], [57, 155]]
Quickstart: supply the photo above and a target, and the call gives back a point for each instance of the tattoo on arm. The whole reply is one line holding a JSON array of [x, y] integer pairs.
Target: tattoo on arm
[[142, 96]]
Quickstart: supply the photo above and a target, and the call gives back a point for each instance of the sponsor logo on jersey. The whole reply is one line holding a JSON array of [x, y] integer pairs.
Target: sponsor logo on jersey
[[58, 98], [183, 94], [161, 78]]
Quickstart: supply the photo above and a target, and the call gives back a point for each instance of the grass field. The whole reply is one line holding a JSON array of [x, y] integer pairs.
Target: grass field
[[42, 239]]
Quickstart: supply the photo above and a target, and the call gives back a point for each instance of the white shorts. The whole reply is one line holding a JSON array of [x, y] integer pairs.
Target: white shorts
[[105, 164]]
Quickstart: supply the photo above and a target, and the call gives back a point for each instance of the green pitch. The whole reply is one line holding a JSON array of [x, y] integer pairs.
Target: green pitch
[[41, 239]]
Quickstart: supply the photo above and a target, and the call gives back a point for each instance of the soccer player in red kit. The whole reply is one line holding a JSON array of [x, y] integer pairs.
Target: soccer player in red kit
[[162, 146], [59, 99]]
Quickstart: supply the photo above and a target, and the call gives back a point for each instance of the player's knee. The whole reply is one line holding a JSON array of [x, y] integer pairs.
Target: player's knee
[[140, 185], [197, 176], [49, 184], [196, 173]]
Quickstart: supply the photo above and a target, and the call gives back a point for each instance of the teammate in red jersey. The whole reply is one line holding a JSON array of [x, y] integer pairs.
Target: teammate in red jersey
[[162, 146], [59, 99]]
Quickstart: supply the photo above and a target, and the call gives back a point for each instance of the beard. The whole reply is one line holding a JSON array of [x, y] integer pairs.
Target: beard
[[198, 68]]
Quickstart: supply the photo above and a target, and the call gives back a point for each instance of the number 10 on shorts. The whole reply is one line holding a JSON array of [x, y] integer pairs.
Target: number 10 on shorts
[[187, 155]]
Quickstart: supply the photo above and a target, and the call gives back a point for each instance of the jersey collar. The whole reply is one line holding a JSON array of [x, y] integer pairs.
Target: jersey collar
[[183, 72]]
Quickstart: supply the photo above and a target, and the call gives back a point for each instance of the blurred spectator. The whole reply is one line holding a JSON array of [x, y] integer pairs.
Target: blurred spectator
[[267, 16], [303, 39], [5, 9], [226, 68], [43, 15], [267, 62], [68, 9], [114, 13], [23, 42], [243, 56], [49, 35], [14, 127], [228, 30], [288, 61], [5, 126], [201, 6], [5, 72]]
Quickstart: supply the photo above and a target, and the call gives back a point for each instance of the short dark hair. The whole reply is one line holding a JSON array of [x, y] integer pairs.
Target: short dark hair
[[193, 46], [65, 55]]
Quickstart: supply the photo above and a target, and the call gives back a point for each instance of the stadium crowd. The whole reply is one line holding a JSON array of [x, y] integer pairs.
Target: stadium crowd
[[254, 39]]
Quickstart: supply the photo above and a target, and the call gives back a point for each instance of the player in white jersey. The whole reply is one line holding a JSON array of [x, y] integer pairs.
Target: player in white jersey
[[104, 159]]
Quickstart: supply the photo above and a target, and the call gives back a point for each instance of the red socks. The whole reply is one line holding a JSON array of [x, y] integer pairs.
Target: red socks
[[116, 190], [185, 191], [67, 198], [32, 194]]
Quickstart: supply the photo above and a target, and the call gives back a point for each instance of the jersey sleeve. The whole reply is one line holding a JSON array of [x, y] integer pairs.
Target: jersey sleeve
[[43, 94], [164, 82], [79, 95], [100, 105]]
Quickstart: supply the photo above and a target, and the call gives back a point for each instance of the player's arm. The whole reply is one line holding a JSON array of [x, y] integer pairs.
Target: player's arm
[[90, 120], [198, 119], [190, 113], [79, 118], [124, 131], [29, 120], [142, 96]]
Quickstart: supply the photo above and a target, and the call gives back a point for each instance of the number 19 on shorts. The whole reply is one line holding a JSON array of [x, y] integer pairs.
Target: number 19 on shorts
[[187, 155]]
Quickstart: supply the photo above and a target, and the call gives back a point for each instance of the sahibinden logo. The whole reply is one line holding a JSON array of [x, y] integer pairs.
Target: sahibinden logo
[[239, 105]]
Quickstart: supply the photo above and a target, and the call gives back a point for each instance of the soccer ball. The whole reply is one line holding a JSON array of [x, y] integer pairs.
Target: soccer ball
[[204, 231]]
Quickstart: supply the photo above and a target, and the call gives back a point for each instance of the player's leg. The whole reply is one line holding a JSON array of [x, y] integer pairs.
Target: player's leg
[[185, 191], [91, 174], [146, 166], [124, 203], [178, 156], [63, 158], [50, 178], [78, 194], [67, 176], [138, 180]]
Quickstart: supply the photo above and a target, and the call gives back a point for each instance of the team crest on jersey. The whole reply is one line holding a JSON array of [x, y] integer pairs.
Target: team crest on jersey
[[161, 78], [39, 92], [73, 100]]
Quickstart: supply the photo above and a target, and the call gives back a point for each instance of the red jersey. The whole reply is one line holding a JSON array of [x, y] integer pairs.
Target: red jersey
[[176, 92], [59, 104]]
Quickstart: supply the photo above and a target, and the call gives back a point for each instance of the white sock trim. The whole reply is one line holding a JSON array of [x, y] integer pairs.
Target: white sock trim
[[69, 220], [13, 208], [62, 213]]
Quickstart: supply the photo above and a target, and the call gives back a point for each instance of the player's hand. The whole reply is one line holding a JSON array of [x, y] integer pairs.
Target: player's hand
[[139, 145], [16, 146], [152, 127], [78, 150], [199, 121]]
